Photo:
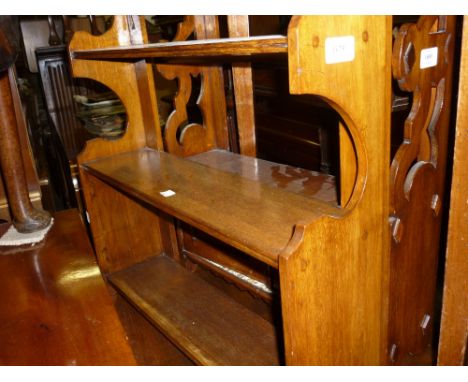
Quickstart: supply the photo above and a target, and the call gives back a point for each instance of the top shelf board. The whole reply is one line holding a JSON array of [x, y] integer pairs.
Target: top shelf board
[[249, 215], [226, 47]]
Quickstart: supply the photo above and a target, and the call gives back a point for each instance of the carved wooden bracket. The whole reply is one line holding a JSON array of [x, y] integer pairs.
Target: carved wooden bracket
[[420, 58], [181, 136], [422, 64]]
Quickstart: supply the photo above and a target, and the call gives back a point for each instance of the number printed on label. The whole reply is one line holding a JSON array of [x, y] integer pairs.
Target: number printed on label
[[428, 58], [339, 49]]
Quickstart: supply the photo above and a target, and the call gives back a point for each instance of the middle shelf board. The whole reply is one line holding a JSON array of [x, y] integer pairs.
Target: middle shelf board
[[308, 183], [223, 47], [252, 216]]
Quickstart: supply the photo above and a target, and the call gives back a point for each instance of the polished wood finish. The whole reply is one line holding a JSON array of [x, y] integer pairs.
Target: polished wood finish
[[255, 218], [454, 326], [311, 184], [138, 96], [242, 78], [26, 217], [418, 182], [142, 127], [336, 287], [348, 164], [183, 136], [241, 46], [9, 41], [125, 232], [333, 266], [244, 272], [54, 305], [22, 127], [202, 321], [150, 346], [26, 154]]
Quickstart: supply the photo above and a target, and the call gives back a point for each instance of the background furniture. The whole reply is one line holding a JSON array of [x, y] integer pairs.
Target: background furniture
[[25, 217], [26, 154]]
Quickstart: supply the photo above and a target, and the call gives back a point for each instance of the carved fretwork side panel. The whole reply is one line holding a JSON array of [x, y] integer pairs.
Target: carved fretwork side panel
[[133, 84], [136, 91], [182, 136], [422, 64]]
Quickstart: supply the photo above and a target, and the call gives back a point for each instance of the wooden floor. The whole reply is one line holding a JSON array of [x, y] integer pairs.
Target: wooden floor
[[54, 306]]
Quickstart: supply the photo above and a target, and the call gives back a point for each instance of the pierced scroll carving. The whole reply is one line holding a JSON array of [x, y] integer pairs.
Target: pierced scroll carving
[[428, 87], [422, 64], [182, 136]]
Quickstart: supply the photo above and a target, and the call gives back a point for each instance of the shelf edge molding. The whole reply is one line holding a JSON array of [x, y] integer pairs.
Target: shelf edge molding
[[223, 47]]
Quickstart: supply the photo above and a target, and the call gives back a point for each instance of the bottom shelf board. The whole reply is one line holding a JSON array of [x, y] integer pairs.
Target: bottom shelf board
[[207, 325]]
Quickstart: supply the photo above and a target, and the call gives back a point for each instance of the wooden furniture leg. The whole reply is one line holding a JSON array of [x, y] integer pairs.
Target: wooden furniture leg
[[26, 218]]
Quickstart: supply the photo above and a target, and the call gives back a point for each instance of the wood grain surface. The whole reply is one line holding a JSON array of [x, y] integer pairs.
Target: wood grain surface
[[243, 90], [54, 305], [248, 215], [417, 176], [241, 46], [334, 275], [207, 325], [454, 325]]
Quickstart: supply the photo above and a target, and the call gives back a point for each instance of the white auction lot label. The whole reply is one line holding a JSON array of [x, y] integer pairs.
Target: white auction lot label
[[339, 49], [428, 58]]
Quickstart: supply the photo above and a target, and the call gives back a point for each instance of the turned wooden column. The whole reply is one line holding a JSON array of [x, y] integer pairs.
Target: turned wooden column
[[26, 218]]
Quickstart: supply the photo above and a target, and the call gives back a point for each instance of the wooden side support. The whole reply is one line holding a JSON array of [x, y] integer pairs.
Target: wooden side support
[[133, 83], [129, 82], [454, 325], [243, 90], [333, 276], [418, 179]]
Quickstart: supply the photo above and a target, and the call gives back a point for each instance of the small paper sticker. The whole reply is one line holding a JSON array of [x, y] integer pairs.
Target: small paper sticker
[[428, 58], [339, 49], [167, 193], [425, 321]]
